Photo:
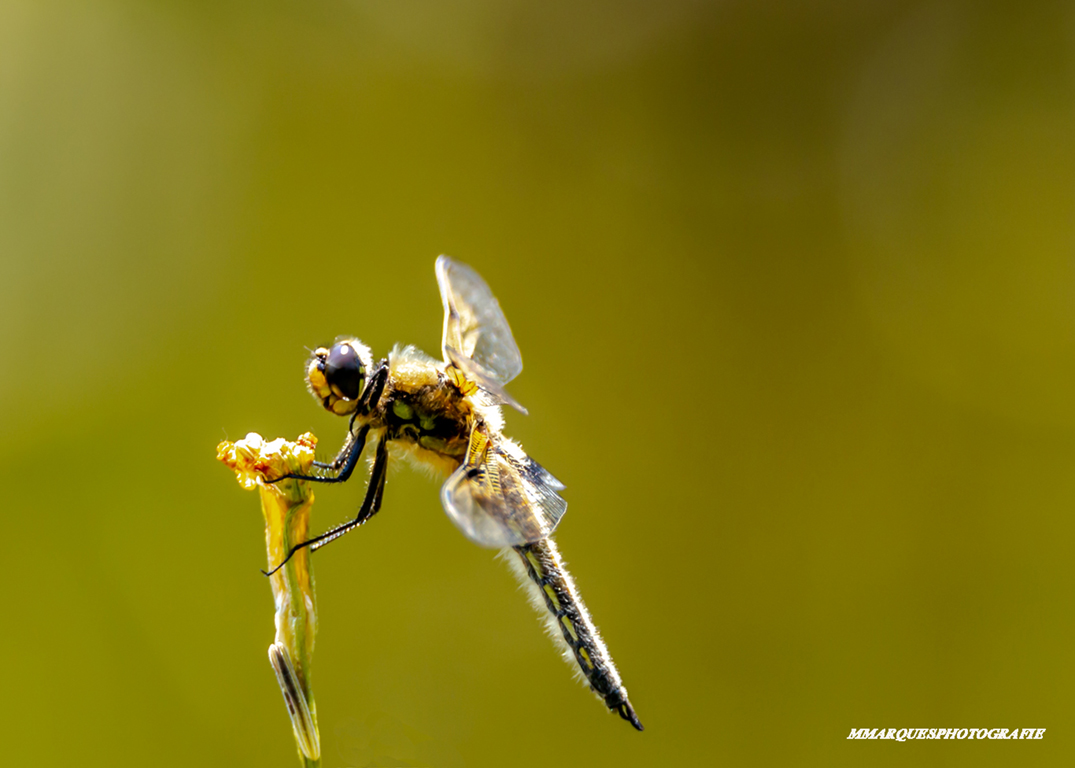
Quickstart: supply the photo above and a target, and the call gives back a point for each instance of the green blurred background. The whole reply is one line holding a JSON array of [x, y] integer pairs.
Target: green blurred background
[[794, 286]]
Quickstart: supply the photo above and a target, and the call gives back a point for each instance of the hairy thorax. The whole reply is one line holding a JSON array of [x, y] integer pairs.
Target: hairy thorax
[[423, 413]]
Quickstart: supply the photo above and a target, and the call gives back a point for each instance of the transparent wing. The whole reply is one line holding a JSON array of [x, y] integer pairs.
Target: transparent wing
[[500, 497], [476, 339]]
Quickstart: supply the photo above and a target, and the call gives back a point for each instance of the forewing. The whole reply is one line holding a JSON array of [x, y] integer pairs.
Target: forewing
[[506, 500], [476, 336]]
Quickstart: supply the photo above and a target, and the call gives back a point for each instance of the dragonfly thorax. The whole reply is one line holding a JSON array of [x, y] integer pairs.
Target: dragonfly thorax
[[423, 407]]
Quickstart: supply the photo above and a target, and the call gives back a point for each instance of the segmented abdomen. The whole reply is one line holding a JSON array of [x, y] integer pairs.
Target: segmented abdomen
[[545, 568]]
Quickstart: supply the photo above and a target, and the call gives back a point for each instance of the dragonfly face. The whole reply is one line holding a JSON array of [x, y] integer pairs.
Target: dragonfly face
[[336, 376], [446, 415]]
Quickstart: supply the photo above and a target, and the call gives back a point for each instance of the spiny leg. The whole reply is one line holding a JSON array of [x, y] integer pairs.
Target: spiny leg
[[371, 504], [345, 450], [352, 450]]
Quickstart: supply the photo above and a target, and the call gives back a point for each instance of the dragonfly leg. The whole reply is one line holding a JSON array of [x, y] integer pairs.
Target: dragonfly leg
[[371, 395], [344, 464], [371, 504], [345, 451]]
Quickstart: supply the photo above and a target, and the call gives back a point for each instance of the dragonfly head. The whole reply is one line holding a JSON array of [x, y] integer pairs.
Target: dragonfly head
[[336, 375]]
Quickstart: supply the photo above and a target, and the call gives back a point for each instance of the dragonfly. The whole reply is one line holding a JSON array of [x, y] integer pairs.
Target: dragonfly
[[446, 415]]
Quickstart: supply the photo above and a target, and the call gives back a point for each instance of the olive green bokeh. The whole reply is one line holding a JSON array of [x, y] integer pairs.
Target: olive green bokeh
[[794, 287]]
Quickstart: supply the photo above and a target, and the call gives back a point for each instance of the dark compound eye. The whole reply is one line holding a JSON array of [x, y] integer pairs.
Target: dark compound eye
[[344, 371]]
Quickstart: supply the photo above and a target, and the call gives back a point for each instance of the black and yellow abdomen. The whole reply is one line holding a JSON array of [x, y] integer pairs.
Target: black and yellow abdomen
[[570, 620]]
